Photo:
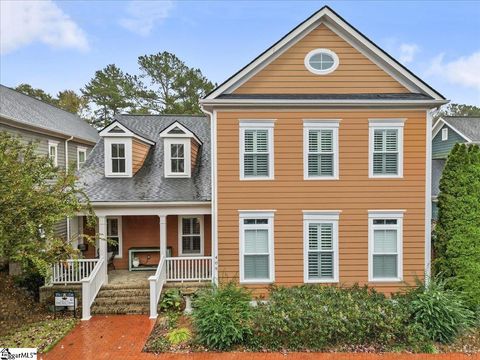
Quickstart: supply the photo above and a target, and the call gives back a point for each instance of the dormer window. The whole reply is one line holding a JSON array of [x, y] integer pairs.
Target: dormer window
[[181, 151], [125, 150], [118, 158]]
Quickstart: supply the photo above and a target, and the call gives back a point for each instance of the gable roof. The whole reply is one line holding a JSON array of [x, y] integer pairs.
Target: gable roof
[[178, 130], [149, 183], [467, 127], [28, 111], [335, 22], [113, 128]]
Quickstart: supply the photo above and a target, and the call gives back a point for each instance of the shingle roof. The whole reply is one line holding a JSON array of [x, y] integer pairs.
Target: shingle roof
[[437, 169], [400, 96], [467, 125], [27, 110], [149, 183]]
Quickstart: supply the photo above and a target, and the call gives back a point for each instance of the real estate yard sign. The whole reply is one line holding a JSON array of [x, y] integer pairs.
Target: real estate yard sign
[[65, 300]]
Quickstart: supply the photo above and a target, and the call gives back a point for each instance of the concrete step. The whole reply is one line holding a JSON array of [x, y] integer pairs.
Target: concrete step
[[137, 285], [120, 309], [138, 300], [117, 293]]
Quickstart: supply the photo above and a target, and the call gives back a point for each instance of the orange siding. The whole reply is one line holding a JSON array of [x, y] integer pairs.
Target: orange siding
[[194, 153], [139, 153], [354, 194], [355, 74]]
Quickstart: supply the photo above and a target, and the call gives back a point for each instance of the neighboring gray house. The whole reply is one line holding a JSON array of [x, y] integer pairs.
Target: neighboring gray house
[[447, 132], [55, 131]]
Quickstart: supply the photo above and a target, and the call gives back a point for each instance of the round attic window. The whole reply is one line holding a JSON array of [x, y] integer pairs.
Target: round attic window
[[321, 61]]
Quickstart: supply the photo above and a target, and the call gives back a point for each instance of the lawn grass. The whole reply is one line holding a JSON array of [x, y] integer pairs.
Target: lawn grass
[[42, 335]]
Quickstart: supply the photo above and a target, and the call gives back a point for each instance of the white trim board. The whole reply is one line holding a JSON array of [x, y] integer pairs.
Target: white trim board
[[328, 17]]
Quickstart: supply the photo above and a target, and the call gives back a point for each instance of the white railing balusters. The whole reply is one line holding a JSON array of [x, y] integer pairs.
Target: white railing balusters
[[72, 271], [91, 285], [156, 286], [194, 268]]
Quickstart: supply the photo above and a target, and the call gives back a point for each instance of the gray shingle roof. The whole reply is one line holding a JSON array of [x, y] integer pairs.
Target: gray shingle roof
[[437, 169], [30, 111], [400, 96], [149, 183], [467, 125]]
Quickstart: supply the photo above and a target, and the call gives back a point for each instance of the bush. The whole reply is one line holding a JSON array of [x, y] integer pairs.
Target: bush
[[441, 312], [222, 317], [314, 317], [171, 300], [30, 280], [179, 336]]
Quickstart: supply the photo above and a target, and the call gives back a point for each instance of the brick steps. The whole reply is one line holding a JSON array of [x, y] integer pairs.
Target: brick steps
[[122, 299]]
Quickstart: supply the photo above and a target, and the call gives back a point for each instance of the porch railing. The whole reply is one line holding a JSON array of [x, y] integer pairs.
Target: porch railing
[[91, 285], [72, 271], [194, 268], [156, 286]]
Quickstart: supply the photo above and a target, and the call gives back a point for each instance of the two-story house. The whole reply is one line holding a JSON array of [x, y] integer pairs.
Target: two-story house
[[446, 132], [312, 166], [64, 137]]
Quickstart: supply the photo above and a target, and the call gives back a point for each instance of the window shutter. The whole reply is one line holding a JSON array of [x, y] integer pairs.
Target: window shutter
[[385, 152], [320, 157], [320, 256], [256, 157]]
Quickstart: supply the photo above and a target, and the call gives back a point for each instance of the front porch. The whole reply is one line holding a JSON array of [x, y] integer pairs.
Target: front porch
[[146, 250]]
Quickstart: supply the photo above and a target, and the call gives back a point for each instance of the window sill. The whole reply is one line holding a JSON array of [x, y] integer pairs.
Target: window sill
[[256, 178], [321, 281], [385, 280], [385, 177], [259, 281], [321, 178]]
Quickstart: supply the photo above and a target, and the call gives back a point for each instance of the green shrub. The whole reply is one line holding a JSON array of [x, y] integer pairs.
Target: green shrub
[[179, 336], [222, 316], [441, 312], [312, 317], [171, 300], [456, 237]]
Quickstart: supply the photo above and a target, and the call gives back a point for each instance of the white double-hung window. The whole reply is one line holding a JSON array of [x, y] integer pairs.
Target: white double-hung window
[[320, 237], [177, 157], [386, 148], [256, 247], [53, 152], [385, 239], [256, 149], [320, 155], [81, 156]]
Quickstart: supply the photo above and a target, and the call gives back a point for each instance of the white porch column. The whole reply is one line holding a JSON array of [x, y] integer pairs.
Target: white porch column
[[163, 235], [102, 243]]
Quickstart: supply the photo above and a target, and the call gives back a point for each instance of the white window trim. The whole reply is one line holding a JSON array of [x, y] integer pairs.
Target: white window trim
[[81, 149], [108, 156], [318, 217], [186, 142], [317, 124], [180, 233], [445, 134], [120, 235], [380, 124], [257, 214], [385, 214], [257, 125], [53, 144], [309, 67]]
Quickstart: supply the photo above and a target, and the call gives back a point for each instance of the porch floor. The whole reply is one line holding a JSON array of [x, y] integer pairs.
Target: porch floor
[[125, 277]]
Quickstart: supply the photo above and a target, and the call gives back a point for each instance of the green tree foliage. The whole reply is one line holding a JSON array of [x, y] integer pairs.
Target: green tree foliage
[[457, 233], [177, 87], [67, 100], [458, 110], [70, 101], [111, 91], [34, 197], [37, 94]]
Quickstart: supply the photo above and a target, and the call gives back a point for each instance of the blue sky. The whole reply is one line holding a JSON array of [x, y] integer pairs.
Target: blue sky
[[58, 45]]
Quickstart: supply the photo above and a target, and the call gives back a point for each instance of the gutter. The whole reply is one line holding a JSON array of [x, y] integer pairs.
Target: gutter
[[328, 103], [66, 169]]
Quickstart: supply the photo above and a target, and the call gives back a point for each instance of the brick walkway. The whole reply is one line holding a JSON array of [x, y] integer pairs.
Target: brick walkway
[[123, 337]]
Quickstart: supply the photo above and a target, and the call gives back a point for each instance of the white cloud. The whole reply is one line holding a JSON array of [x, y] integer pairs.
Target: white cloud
[[464, 71], [142, 16], [24, 22], [408, 52]]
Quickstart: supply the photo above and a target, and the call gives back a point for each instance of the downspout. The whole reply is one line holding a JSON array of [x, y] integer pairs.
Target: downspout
[[66, 169], [213, 160]]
